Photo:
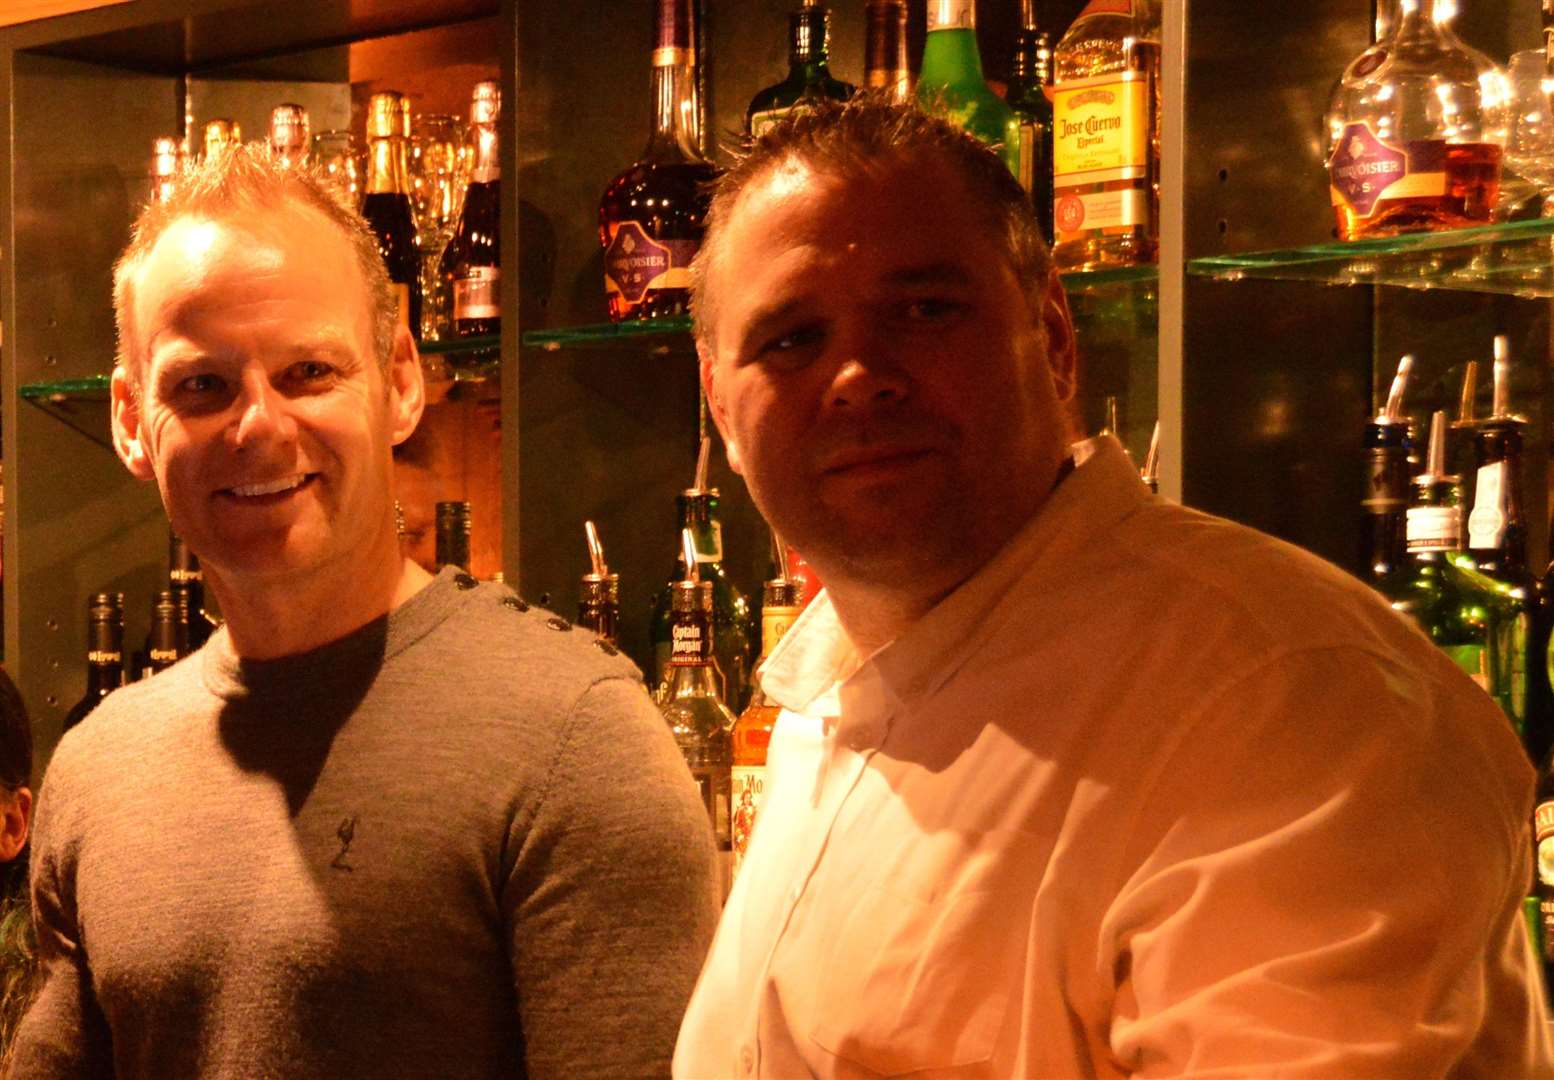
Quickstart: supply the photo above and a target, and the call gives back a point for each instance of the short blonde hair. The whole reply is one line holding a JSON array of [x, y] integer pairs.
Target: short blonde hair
[[244, 180]]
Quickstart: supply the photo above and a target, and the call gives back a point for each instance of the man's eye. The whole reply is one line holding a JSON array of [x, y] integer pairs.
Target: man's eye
[[802, 338], [932, 310], [312, 370], [200, 384]]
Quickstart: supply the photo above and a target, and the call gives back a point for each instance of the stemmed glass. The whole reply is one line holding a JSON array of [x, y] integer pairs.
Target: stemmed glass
[[1529, 149], [338, 158], [440, 163]]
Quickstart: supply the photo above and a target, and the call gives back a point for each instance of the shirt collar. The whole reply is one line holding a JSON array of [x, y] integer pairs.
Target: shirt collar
[[814, 669]]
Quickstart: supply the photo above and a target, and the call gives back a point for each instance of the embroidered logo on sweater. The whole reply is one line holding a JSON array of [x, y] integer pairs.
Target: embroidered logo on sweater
[[346, 832]]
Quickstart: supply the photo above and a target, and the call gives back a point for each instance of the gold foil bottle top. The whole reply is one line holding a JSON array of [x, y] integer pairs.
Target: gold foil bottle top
[[485, 103], [164, 157], [388, 114], [221, 136], [952, 14], [290, 133]]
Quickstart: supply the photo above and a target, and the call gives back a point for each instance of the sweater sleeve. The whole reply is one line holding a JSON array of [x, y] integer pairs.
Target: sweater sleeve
[[612, 899], [63, 1033], [1357, 914]]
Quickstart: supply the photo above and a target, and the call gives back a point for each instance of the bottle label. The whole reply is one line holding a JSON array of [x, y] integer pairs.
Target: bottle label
[[183, 577], [1543, 829], [1434, 528], [1487, 522], [761, 122], [775, 621], [1386, 481], [164, 655], [1106, 7], [1073, 214], [952, 14], [1473, 659], [103, 656], [1100, 129], [749, 785], [712, 538], [1363, 170], [635, 264], [689, 645], [475, 293]]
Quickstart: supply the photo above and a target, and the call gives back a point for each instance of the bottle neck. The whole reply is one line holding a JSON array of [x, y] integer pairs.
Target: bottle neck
[[692, 680], [676, 116], [105, 657], [951, 58], [388, 170], [809, 42], [488, 161]]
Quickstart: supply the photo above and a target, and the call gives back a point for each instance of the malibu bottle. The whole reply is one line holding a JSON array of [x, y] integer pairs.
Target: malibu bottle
[[951, 79]]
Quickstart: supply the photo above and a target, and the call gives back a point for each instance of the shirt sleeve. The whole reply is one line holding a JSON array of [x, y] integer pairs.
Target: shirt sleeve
[[63, 1033], [1326, 881], [612, 898]]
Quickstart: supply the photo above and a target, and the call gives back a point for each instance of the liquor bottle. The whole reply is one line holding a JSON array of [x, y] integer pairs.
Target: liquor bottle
[[166, 164], [651, 215], [1384, 537], [472, 261], [188, 585], [1465, 613], [453, 535], [387, 204], [165, 644], [1543, 867], [885, 67], [809, 72], [698, 514], [692, 702], [1106, 136], [104, 654], [221, 136], [1415, 131], [599, 607], [753, 731], [290, 135], [951, 79], [1029, 95]]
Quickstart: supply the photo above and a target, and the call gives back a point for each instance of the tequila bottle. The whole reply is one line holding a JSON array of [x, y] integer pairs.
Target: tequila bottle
[[809, 72], [1106, 136], [753, 732], [1415, 130], [1030, 89], [951, 79]]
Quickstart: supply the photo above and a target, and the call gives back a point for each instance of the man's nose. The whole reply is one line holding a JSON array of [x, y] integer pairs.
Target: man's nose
[[868, 374], [263, 415]]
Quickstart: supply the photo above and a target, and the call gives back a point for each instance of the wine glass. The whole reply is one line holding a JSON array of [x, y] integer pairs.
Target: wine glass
[[338, 159], [440, 162], [1529, 148]]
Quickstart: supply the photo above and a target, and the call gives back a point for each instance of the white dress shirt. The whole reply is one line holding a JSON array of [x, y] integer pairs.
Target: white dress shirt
[[1151, 795]]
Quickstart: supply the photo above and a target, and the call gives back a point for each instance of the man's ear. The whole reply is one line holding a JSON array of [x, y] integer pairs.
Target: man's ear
[[15, 821], [128, 427], [1062, 346], [715, 405], [406, 387]]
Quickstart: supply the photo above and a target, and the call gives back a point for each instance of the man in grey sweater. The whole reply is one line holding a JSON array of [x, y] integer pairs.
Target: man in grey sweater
[[382, 824]]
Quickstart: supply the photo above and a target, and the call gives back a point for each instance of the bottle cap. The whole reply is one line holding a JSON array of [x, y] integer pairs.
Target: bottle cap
[[780, 592], [106, 607], [164, 157], [453, 515], [388, 115], [486, 103]]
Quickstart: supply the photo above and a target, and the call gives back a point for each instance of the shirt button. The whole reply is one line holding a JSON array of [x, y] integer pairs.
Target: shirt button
[[747, 1060]]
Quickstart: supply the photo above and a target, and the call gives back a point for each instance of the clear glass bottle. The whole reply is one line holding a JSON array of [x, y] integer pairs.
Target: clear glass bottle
[[693, 706], [1106, 137], [951, 78], [1416, 128], [809, 71], [650, 218], [1029, 95], [885, 67], [753, 731]]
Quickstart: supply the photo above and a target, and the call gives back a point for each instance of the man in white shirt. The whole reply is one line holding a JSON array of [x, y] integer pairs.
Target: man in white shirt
[[1070, 781]]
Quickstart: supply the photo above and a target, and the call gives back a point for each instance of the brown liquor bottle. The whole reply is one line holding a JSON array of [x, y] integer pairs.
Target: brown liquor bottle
[[650, 219], [753, 731], [885, 67]]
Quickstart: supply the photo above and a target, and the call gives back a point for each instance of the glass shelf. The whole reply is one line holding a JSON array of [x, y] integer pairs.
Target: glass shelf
[[81, 403], [658, 337], [1515, 258]]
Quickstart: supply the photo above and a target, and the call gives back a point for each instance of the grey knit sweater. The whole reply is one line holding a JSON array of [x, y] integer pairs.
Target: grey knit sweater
[[457, 843]]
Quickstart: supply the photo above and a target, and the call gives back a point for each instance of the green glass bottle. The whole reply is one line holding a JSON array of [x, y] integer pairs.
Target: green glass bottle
[[732, 620], [1030, 96], [1467, 614], [809, 73], [951, 78]]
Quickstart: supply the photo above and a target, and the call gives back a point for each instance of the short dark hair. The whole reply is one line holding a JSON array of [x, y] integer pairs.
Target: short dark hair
[[15, 737], [852, 137]]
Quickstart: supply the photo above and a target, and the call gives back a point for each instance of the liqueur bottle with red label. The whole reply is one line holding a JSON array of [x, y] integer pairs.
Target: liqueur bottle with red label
[[1415, 130], [387, 206], [951, 79], [1106, 137], [1466, 614], [650, 219], [472, 261], [753, 732]]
